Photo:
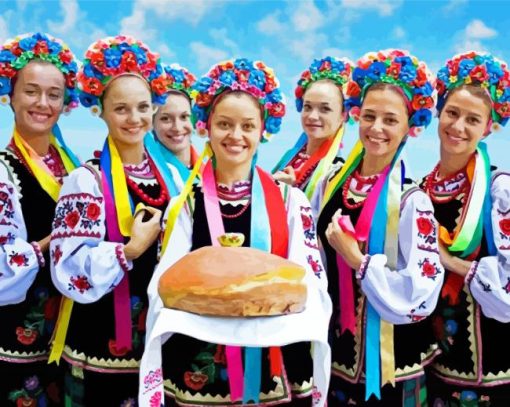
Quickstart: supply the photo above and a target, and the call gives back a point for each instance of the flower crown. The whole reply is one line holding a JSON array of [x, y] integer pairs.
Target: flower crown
[[478, 69], [110, 57], [396, 67], [335, 69], [179, 78], [16, 53], [254, 78]]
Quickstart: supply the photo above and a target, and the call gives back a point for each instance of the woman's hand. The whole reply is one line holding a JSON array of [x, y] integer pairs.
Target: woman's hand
[[453, 263], [143, 234], [344, 243], [44, 244], [288, 175]]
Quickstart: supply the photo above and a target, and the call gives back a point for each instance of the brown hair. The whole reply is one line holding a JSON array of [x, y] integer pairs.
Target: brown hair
[[475, 90]]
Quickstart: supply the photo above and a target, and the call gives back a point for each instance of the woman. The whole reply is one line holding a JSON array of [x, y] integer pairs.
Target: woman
[[320, 100], [384, 273], [471, 202], [239, 104], [37, 74], [103, 252], [172, 122]]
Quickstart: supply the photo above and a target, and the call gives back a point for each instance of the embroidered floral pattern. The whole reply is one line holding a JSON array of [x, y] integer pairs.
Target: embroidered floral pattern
[[315, 265], [78, 215], [6, 206], [80, 283], [56, 254], [155, 400], [427, 231], [208, 366], [31, 395], [413, 317], [309, 227], [428, 269], [26, 336], [7, 239], [18, 259], [504, 230], [152, 379]]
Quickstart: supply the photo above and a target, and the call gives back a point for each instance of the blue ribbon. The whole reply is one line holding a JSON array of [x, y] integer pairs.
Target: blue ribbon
[[155, 152], [290, 154], [252, 374], [58, 135], [376, 246], [487, 204], [184, 172]]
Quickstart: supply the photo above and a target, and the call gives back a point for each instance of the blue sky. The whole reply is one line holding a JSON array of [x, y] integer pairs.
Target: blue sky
[[286, 34]]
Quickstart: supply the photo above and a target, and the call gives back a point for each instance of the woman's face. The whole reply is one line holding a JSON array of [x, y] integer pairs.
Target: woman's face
[[172, 123], [127, 110], [235, 130], [383, 123], [38, 98], [321, 116], [462, 122]]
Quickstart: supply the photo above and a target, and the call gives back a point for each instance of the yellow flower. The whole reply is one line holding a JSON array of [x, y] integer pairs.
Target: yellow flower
[[5, 99], [499, 93], [453, 78], [467, 81], [96, 110]]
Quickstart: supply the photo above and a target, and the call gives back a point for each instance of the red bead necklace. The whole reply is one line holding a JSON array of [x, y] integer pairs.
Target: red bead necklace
[[236, 215], [163, 196], [429, 187]]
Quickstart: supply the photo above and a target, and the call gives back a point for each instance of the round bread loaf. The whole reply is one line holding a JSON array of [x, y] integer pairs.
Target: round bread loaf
[[234, 281]]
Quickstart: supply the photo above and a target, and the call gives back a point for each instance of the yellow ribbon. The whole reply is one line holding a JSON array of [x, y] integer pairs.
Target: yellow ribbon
[[176, 208], [59, 336]]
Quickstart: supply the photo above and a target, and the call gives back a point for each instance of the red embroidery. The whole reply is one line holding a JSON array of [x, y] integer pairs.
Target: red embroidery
[[81, 283], [72, 219], [18, 259], [93, 211], [428, 269], [425, 226], [26, 336], [77, 215], [316, 266], [195, 380], [504, 225], [56, 254]]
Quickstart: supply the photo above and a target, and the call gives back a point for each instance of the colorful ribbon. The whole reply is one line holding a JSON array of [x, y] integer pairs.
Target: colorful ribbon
[[324, 156]]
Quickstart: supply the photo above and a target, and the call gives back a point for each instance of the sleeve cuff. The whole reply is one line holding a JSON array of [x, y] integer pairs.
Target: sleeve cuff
[[39, 254], [471, 273], [125, 264], [360, 274]]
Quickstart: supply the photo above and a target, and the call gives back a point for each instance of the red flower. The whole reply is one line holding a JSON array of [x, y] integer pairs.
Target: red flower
[[394, 70], [26, 336], [112, 347], [421, 78], [422, 102], [219, 356], [18, 259], [299, 92], [26, 402], [307, 221], [453, 66], [270, 84], [195, 380], [81, 283], [440, 86], [6, 70], [16, 50], [306, 75], [503, 109], [425, 226], [51, 308], [243, 76], [72, 219], [70, 79], [41, 48], [65, 56], [504, 225], [326, 66], [92, 86], [97, 60], [428, 269], [204, 99], [277, 109], [353, 89], [159, 85], [479, 73], [93, 211]]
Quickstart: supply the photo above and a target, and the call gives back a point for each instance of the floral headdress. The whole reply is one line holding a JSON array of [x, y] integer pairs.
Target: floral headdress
[[254, 78], [478, 69], [396, 67], [16, 53], [179, 79], [110, 57], [335, 69]]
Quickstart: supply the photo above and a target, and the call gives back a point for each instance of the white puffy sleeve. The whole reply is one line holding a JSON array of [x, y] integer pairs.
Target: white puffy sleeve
[[409, 293], [303, 247], [489, 278], [84, 266], [19, 259]]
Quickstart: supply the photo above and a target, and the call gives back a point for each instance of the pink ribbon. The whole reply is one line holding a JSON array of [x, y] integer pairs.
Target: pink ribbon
[[216, 229], [360, 233], [121, 300]]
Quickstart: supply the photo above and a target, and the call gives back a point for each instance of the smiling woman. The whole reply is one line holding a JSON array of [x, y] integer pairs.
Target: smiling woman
[[103, 249], [38, 79]]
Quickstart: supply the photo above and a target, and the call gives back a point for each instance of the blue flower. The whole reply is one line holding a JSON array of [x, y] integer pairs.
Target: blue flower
[[28, 43], [351, 102], [199, 113], [444, 74], [421, 117], [404, 61], [203, 84], [159, 99], [465, 66], [275, 96], [316, 64], [40, 37], [468, 395], [92, 72], [337, 66], [273, 124], [258, 79], [425, 90], [156, 72], [112, 57], [5, 85], [451, 327], [359, 76], [224, 374], [134, 301], [7, 56], [505, 97], [495, 72], [54, 47], [407, 73], [376, 70], [88, 100], [299, 104], [141, 56], [227, 78], [123, 47], [177, 74], [242, 64]]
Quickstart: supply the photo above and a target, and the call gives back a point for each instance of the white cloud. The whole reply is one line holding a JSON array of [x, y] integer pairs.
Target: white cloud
[[221, 37], [478, 29], [336, 52], [305, 47], [165, 51], [4, 30], [383, 7], [191, 11], [135, 26], [398, 33], [453, 5], [70, 11], [307, 17], [271, 24], [469, 45], [206, 56]]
